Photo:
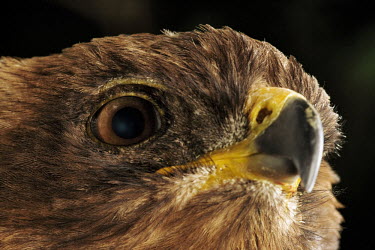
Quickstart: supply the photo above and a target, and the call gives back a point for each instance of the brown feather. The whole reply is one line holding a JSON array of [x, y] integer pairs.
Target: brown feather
[[61, 188]]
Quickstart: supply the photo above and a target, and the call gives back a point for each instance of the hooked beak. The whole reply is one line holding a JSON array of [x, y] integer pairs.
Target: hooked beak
[[284, 146]]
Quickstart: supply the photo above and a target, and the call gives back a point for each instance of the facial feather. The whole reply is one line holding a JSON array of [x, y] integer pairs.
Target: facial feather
[[60, 187]]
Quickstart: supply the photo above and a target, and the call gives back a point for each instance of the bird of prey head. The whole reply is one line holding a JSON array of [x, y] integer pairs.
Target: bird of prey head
[[196, 140]]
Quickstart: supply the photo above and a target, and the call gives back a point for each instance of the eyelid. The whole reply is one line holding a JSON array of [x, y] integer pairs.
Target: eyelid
[[133, 81], [134, 94]]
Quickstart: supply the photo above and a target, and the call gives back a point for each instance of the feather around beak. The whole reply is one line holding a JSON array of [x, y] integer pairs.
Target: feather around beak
[[284, 146]]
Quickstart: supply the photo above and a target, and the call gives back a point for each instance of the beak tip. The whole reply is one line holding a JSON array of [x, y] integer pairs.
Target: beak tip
[[309, 177], [308, 186]]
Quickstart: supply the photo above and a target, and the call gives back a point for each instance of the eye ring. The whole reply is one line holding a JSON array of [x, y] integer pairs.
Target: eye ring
[[125, 121]]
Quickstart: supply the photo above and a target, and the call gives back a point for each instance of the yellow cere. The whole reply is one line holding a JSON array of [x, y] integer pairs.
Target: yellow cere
[[269, 98]]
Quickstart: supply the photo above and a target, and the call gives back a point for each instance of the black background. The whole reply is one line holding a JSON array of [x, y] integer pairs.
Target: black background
[[334, 40]]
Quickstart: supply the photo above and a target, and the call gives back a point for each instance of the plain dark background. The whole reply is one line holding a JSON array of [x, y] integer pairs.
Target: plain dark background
[[334, 40]]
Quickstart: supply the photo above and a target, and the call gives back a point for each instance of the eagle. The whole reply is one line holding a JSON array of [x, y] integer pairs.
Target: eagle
[[206, 139]]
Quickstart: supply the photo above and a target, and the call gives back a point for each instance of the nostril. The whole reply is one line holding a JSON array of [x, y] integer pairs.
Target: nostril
[[263, 113]]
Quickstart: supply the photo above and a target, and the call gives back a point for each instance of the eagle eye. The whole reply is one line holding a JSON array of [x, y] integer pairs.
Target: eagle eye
[[125, 121]]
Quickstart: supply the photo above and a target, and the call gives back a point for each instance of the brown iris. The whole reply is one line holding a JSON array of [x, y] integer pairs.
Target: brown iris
[[125, 121]]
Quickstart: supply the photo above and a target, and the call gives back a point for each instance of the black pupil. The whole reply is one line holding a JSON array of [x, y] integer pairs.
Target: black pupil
[[128, 123]]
